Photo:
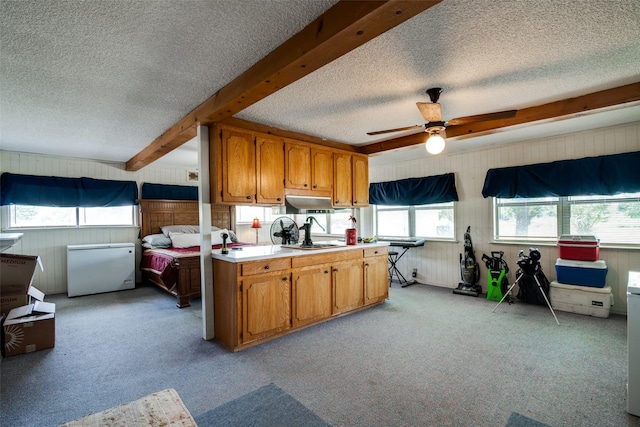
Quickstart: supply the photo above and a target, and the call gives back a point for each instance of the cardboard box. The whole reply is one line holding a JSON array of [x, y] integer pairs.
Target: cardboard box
[[29, 328], [581, 299], [16, 276], [582, 273], [11, 301], [580, 248]]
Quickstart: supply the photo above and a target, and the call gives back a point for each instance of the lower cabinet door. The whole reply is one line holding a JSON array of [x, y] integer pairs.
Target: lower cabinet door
[[311, 295], [348, 289], [266, 302], [376, 280]]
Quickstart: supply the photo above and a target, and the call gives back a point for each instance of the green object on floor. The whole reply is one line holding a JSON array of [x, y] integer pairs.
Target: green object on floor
[[494, 284], [497, 285]]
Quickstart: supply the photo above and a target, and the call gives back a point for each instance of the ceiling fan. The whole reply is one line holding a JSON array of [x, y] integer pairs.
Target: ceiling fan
[[434, 125]]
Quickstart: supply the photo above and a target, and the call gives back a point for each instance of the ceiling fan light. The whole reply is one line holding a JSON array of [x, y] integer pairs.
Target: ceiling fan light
[[431, 112], [435, 144]]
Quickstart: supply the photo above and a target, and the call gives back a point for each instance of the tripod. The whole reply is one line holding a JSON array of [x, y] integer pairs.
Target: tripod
[[522, 273]]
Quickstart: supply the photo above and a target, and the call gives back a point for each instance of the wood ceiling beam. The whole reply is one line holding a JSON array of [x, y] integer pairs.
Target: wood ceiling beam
[[341, 29], [557, 110]]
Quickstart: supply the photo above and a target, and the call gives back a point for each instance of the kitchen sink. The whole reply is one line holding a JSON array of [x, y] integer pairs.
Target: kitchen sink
[[315, 246]]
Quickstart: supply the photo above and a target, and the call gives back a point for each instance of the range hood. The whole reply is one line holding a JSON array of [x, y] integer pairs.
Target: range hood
[[307, 204]]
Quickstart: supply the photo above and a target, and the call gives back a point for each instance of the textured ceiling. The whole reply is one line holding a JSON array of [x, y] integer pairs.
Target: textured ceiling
[[103, 79]]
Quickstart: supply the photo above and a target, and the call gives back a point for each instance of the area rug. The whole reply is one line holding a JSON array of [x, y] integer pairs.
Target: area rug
[[519, 420], [164, 408], [266, 406]]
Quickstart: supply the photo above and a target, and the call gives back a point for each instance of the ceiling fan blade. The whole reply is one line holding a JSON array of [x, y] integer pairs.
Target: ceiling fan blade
[[618, 97], [430, 111], [394, 130], [483, 117]]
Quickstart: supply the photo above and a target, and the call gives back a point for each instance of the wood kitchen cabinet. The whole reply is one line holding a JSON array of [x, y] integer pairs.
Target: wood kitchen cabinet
[[342, 180], [269, 171], [351, 180], [250, 167], [259, 300], [376, 279], [308, 169], [360, 172], [311, 290], [238, 167], [348, 290], [321, 170], [252, 300], [266, 305]]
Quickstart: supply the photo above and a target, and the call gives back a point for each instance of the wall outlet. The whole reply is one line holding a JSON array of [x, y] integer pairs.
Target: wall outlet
[[415, 273]]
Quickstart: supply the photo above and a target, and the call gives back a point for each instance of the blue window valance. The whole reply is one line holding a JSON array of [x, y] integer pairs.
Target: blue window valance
[[57, 191], [169, 192], [603, 176], [414, 191]]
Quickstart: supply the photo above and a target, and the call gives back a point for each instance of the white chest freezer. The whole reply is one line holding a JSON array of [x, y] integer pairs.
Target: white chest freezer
[[93, 269]]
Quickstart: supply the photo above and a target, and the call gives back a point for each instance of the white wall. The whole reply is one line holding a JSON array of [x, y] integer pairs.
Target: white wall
[[438, 263], [51, 244]]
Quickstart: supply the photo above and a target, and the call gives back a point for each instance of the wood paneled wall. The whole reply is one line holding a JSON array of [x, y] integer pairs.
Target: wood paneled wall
[[51, 245], [438, 262]]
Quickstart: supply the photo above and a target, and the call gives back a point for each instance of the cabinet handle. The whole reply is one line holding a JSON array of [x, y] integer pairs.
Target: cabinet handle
[[315, 186], [335, 269], [279, 199], [337, 201], [355, 201], [266, 267], [248, 197], [376, 252], [366, 265], [306, 185], [326, 272], [284, 279]]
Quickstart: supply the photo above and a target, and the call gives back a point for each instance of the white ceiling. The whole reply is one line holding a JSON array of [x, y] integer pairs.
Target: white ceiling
[[103, 79]]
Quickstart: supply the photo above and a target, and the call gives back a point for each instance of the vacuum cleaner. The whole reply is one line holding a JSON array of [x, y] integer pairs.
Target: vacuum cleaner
[[469, 270], [497, 284]]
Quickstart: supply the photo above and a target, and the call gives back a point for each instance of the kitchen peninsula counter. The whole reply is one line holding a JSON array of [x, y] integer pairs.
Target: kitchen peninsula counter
[[261, 252], [263, 292]]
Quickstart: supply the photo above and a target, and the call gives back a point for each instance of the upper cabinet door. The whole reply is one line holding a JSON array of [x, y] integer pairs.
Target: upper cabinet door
[[321, 170], [269, 170], [238, 167], [297, 158], [360, 180], [342, 180]]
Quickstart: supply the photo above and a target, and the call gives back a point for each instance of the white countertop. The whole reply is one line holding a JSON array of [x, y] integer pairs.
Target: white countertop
[[9, 239], [255, 253]]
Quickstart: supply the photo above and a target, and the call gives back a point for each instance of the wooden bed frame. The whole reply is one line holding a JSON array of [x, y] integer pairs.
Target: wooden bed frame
[[155, 214]]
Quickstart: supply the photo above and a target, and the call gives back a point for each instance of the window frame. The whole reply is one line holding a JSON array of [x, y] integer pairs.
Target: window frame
[[563, 206], [411, 212], [9, 215]]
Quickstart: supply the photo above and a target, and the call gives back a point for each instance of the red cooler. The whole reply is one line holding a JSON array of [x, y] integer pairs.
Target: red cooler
[[579, 248]]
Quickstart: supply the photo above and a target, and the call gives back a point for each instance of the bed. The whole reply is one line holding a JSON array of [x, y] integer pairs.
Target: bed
[[176, 269]]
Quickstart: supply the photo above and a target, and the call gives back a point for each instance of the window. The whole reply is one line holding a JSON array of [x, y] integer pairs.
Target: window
[[337, 222], [246, 214], [612, 219], [434, 221], [22, 216], [334, 223]]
